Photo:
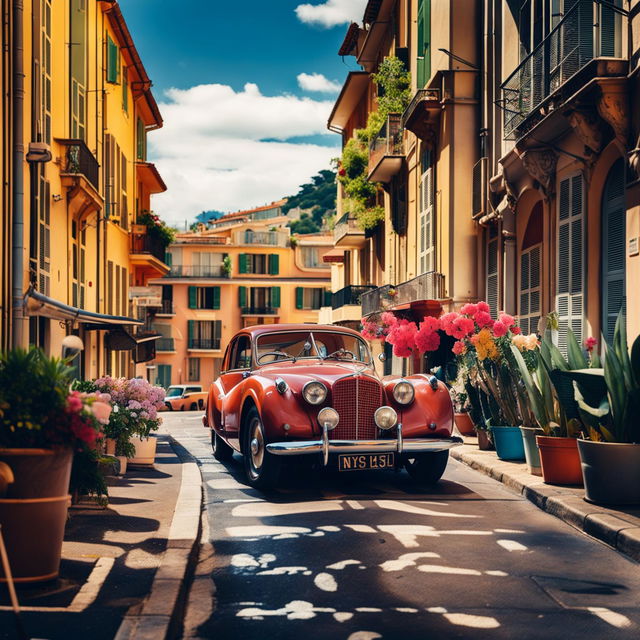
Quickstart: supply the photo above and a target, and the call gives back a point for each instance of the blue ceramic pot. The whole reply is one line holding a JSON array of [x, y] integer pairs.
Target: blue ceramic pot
[[508, 443]]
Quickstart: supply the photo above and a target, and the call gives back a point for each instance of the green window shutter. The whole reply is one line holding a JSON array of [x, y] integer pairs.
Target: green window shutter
[[125, 91], [190, 328], [327, 297], [141, 141], [275, 297], [193, 297], [113, 60], [424, 37], [242, 263], [216, 297], [168, 258], [299, 297], [242, 296], [274, 264]]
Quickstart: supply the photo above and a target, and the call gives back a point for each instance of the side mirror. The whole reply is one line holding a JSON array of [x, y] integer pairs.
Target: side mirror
[[382, 357]]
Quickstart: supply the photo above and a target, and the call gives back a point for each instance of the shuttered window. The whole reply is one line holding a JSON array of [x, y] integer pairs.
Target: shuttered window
[[274, 264], [194, 369], [427, 249], [570, 260], [424, 37], [613, 249], [204, 297], [309, 298], [530, 291], [204, 334], [113, 61], [141, 141], [493, 252], [163, 375]]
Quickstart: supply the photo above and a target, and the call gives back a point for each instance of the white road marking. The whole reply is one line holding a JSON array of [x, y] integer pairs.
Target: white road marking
[[476, 622], [329, 527], [406, 610], [434, 568], [242, 560], [364, 635], [406, 560], [325, 582], [368, 610], [316, 534], [360, 528], [437, 610], [354, 504], [496, 573], [294, 610], [339, 566], [263, 530], [283, 571], [511, 545], [611, 617], [342, 616], [267, 509], [509, 531], [243, 500], [395, 505], [286, 536], [407, 534]]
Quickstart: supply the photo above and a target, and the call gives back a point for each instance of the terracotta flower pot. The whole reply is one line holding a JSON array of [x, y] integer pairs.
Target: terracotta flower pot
[[123, 465], [484, 442], [33, 511], [560, 460], [611, 472], [465, 425], [145, 451]]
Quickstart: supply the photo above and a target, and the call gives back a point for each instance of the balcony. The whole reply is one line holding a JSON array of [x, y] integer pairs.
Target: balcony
[[386, 150], [259, 311], [79, 161], [204, 344], [421, 116], [196, 271], [350, 295], [563, 64], [147, 254], [420, 293], [166, 308], [201, 239], [165, 344], [264, 238], [347, 233]]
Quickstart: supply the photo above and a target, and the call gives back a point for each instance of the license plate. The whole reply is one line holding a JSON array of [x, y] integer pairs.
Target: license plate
[[364, 461]]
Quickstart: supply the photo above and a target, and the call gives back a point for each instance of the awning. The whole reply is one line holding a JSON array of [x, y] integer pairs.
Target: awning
[[335, 255], [37, 304]]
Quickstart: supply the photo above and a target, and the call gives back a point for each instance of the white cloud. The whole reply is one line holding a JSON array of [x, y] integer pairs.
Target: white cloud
[[332, 12], [227, 150], [317, 82]]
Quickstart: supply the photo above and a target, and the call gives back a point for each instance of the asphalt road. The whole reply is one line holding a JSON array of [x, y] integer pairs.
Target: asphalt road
[[364, 556]]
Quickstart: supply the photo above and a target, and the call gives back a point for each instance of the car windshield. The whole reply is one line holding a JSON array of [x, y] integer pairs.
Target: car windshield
[[311, 344], [174, 392]]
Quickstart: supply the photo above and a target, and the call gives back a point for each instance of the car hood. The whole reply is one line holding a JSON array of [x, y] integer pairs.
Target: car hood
[[298, 373]]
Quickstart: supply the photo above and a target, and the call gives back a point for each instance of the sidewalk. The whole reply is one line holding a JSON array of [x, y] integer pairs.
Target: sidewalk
[[123, 568], [617, 527]]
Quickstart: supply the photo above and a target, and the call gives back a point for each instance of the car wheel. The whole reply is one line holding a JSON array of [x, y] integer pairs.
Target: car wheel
[[169, 406], [200, 404], [427, 468], [221, 450], [261, 467], [193, 406], [182, 407]]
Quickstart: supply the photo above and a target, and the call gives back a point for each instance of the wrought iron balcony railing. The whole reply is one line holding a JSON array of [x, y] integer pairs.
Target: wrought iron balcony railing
[[196, 271], [387, 142], [346, 226], [165, 344], [259, 311], [166, 308], [428, 286], [145, 243], [80, 161], [204, 343], [590, 29], [269, 238], [351, 294]]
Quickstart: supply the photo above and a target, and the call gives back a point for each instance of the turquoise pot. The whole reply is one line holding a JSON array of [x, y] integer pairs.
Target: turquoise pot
[[508, 442]]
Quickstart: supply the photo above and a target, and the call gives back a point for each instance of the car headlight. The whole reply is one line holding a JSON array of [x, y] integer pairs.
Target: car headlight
[[385, 417], [403, 392], [314, 392], [328, 417]]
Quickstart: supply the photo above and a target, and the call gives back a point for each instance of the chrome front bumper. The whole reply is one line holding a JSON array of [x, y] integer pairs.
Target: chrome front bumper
[[397, 445]]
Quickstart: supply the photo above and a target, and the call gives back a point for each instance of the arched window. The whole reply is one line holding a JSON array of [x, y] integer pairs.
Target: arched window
[[530, 294], [613, 249]]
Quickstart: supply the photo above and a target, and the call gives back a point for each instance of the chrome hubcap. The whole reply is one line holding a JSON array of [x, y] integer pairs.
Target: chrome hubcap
[[256, 447]]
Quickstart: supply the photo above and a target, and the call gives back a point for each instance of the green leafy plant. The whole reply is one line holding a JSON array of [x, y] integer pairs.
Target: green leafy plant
[[226, 265], [157, 227]]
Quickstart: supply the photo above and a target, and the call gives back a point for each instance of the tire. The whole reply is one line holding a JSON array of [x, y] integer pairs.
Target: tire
[[200, 404], [221, 450], [261, 468], [182, 407], [169, 406], [427, 468], [193, 406]]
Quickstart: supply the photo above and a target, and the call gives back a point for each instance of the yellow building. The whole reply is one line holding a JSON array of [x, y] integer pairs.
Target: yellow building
[[244, 269], [75, 177]]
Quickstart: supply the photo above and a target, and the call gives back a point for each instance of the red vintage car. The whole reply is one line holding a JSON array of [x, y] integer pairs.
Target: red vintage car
[[312, 390]]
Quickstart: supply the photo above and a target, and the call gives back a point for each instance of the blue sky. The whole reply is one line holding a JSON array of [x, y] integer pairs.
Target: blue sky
[[245, 93]]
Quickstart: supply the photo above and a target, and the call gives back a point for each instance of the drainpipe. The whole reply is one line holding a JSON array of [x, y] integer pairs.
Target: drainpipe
[[18, 177]]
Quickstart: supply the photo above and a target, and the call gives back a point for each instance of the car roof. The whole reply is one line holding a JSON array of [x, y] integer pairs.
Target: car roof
[[261, 329]]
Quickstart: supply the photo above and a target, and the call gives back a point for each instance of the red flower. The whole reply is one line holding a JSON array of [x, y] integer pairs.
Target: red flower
[[469, 309], [505, 318], [427, 340], [500, 329], [483, 306], [459, 348], [342, 172], [430, 324], [516, 331], [446, 322], [482, 318], [590, 343]]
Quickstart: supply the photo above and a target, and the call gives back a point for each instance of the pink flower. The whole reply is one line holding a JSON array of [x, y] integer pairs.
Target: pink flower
[[500, 329], [590, 343], [446, 322], [516, 331], [74, 402], [469, 309], [482, 318], [483, 306], [461, 327], [430, 324], [459, 348], [505, 318], [401, 351], [389, 319], [427, 341], [402, 337], [101, 411]]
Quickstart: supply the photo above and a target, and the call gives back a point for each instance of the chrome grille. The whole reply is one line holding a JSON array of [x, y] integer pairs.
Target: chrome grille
[[356, 400]]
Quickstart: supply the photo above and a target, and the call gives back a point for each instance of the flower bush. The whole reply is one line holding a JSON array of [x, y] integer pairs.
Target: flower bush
[[157, 227]]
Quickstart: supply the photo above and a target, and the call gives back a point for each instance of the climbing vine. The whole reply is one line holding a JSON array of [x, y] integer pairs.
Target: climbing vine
[[394, 84]]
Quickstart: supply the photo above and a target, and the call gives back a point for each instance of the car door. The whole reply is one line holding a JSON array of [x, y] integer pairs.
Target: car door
[[239, 366]]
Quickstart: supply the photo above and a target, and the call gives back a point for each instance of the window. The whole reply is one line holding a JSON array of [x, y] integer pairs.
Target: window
[[125, 91], [206, 264], [493, 247], [204, 297], [259, 263], [241, 353], [309, 298], [570, 261], [45, 70], [163, 375], [113, 61], [427, 249], [78, 259], [141, 141], [311, 258], [259, 300], [78, 71], [424, 37], [204, 334], [194, 370], [115, 176]]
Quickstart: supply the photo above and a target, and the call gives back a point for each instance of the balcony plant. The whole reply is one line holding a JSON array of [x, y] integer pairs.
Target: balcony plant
[[156, 228], [42, 425], [608, 402], [226, 266]]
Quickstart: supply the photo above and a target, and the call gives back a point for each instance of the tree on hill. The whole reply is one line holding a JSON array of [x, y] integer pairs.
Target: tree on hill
[[317, 199]]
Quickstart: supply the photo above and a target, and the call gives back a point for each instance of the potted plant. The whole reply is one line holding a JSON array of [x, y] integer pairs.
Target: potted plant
[[461, 415], [42, 424], [608, 402], [226, 266]]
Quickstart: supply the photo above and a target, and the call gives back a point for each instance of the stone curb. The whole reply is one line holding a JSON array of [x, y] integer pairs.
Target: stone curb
[[617, 529], [161, 612]]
